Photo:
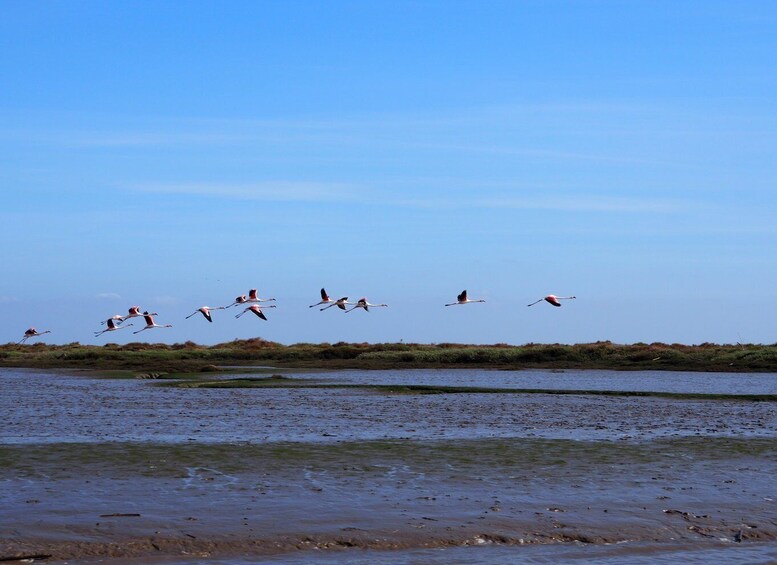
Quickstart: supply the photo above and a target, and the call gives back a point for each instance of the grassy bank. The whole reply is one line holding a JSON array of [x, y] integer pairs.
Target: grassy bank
[[193, 357]]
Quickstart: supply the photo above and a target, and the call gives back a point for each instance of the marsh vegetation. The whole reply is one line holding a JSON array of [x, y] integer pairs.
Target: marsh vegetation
[[191, 357]]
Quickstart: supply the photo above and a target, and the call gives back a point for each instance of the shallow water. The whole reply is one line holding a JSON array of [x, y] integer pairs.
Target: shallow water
[[354, 476], [40, 407], [646, 381]]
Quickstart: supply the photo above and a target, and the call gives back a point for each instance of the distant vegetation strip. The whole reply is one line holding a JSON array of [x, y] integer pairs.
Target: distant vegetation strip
[[190, 356], [278, 381]]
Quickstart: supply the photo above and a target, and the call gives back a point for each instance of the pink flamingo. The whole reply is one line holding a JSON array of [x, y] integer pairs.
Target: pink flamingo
[[205, 311], [254, 297], [117, 318], [134, 312], [462, 299], [32, 332], [150, 325], [242, 299], [553, 299], [112, 327], [340, 303], [256, 309], [362, 303], [324, 300]]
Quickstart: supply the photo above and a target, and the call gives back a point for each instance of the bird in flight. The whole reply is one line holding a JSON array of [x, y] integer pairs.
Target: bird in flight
[[205, 311], [242, 299], [116, 318], [362, 303], [340, 303], [324, 300], [254, 297], [150, 324], [553, 299], [112, 326], [32, 332], [462, 299], [134, 312], [256, 309]]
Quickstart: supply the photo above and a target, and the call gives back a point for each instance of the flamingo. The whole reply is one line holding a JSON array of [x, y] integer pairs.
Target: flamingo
[[150, 325], [112, 327], [254, 297], [462, 299], [256, 309], [340, 303], [205, 311], [134, 312], [32, 332], [362, 303], [553, 299], [116, 318], [242, 299], [324, 300]]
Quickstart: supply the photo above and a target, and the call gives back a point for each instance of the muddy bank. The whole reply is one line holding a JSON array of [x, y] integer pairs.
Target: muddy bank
[[144, 500]]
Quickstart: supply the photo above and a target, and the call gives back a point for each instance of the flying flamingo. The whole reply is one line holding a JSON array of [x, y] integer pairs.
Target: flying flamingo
[[150, 325], [340, 303], [254, 297], [112, 327], [205, 311], [362, 303], [134, 312], [324, 300], [116, 318], [462, 299], [242, 299], [32, 332], [256, 309], [553, 299]]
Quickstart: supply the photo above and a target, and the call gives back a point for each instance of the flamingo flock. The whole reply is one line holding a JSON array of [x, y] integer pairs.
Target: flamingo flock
[[255, 305]]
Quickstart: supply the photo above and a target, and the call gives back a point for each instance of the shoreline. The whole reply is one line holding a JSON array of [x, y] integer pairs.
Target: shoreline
[[222, 501]]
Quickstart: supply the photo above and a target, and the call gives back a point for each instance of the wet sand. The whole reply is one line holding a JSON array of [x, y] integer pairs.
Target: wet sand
[[359, 477]]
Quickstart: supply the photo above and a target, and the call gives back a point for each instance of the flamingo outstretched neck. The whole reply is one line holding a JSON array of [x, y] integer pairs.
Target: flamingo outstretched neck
[[462, 299], [324, 300], [150, 324], [112, 327], [340, 303], [205, 311], [32, 332], [256, 309], [362, 303], [553, 299]]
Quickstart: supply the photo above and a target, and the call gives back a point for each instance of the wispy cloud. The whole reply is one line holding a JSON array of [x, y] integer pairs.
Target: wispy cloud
[[108, 296], [8, 299], [281, 191], [583, 203]]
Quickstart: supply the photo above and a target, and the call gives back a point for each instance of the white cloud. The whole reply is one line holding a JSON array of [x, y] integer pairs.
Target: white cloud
[[585, 204], [8, 299], [281, 191], [108, 296]]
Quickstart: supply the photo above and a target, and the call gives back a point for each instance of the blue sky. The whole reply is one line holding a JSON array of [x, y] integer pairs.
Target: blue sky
[[177, 154]]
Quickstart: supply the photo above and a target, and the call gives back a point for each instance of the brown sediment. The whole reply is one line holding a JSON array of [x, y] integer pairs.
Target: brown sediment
[[411, 536], [158, 501]]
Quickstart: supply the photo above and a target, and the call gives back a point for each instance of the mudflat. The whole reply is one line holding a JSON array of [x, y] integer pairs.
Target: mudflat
[[127, 471]]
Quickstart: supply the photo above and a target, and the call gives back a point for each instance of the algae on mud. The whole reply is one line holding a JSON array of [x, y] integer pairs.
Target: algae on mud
[[279, 381], [191, 357]]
